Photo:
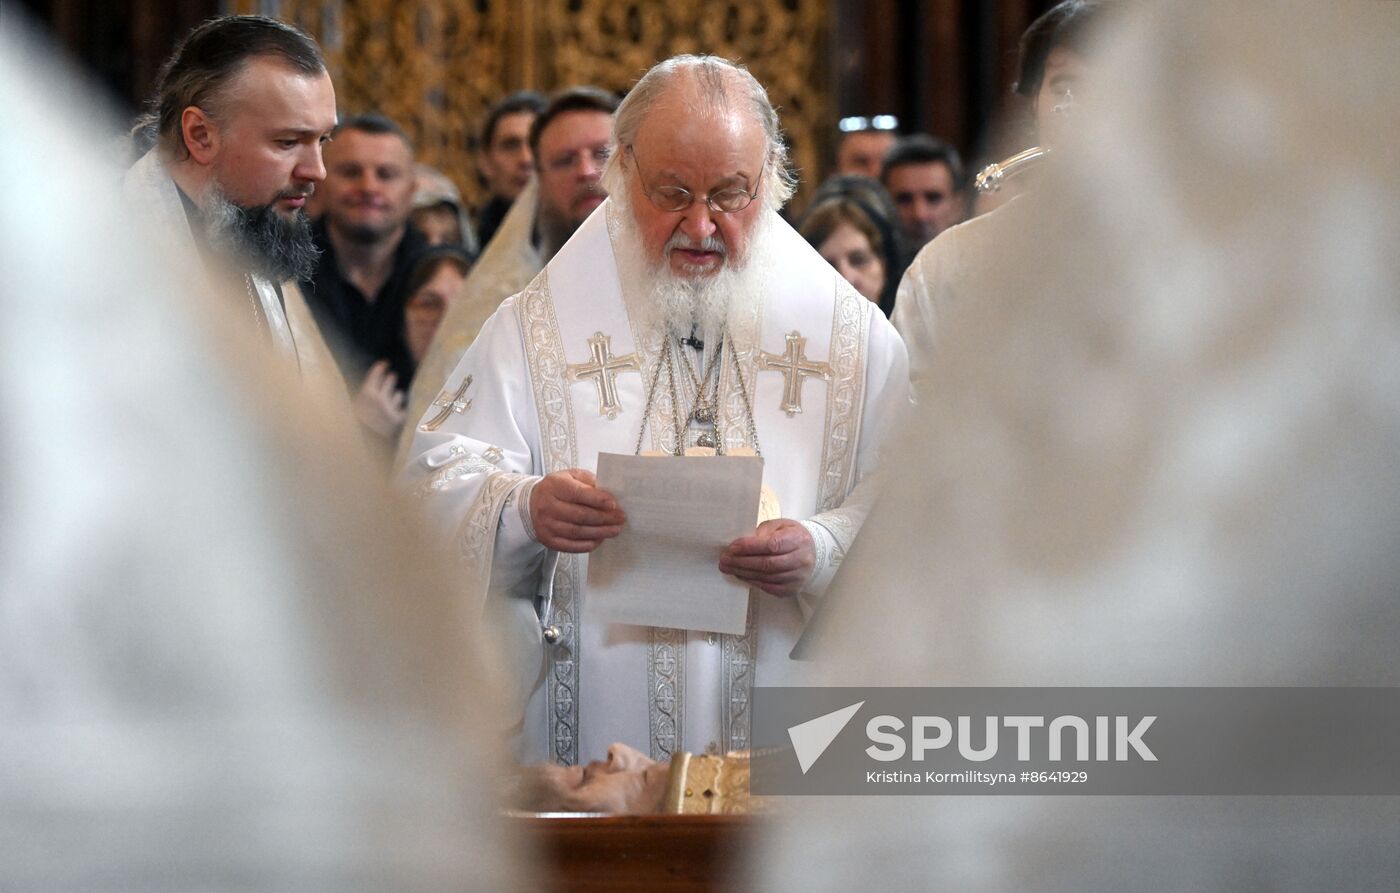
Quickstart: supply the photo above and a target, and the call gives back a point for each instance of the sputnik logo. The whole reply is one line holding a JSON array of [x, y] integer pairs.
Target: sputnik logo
[[811, 738]]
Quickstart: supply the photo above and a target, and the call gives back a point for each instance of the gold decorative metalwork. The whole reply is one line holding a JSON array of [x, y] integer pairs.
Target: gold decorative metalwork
[[710, 784], [990, 178], [784, 43], [435, 67]]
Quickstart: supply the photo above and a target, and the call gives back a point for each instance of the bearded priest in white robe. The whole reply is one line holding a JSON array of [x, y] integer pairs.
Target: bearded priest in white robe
[[226, 192], [684, 313]]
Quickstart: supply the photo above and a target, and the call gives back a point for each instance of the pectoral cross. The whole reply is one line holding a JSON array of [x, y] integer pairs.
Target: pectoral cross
[[604, 370], [795, 367], [449, 403]]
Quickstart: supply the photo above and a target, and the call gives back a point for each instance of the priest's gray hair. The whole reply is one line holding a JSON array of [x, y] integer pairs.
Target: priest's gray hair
[[720, 82]]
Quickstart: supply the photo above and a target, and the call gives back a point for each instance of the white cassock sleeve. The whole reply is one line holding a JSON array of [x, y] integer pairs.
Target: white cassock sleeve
[[474, 472], [886, 400]]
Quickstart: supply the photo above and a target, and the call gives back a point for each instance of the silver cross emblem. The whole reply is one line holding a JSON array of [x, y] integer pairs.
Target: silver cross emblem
[[795, 368], [604, 371], [449, 403]]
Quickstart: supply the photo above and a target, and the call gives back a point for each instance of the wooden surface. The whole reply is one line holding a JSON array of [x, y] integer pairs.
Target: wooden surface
[[663, 853]]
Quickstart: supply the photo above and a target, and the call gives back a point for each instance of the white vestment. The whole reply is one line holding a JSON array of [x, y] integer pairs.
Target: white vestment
[[507, 265], [151, 193], [1158, 444], [532, 408], [211, 672], [962, 264]]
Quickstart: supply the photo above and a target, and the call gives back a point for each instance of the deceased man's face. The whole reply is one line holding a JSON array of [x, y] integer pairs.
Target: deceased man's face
[[627, 782]]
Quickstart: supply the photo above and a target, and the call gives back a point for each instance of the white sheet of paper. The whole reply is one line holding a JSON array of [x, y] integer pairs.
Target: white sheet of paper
[[662, 570]]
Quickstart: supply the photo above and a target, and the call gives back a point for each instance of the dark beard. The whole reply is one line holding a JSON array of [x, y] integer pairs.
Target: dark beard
[[275, 247], [554, 230], [364, 235]]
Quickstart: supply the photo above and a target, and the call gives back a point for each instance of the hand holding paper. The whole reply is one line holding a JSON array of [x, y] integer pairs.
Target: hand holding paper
[[778, 558], [570, 513]]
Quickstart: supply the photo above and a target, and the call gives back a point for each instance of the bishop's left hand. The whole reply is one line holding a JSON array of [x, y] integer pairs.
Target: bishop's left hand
[[777, 557]]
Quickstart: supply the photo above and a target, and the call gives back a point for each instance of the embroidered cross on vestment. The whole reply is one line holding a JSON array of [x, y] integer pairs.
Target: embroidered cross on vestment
[[604, 370], [449, 403], [795, 368]]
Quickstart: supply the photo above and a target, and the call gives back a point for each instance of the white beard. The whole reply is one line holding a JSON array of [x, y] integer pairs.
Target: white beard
[[704, 305]]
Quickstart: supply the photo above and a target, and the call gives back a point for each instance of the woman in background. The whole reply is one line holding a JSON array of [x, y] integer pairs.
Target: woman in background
[[851, 224], [434, 282]]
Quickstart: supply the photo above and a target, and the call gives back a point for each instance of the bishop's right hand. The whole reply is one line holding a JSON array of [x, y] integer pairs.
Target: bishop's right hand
[[570, 513]]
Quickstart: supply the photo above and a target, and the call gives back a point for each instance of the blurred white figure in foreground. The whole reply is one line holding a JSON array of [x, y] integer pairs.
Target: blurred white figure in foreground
[[215, 672], [1161, 448]]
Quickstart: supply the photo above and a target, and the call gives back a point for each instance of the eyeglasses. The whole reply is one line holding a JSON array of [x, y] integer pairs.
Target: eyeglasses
[[678, 198]]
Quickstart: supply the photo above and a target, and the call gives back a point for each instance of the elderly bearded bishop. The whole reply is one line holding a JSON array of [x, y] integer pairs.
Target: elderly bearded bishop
[[683, 314]]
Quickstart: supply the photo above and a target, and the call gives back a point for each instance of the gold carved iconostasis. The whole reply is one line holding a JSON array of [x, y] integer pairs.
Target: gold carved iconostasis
[[435, 67]]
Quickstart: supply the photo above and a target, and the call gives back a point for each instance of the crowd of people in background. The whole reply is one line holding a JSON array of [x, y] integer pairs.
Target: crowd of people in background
[[398, 241], [406, 271]]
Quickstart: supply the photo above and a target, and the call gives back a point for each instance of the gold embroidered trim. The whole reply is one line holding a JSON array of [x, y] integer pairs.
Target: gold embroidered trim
[[740, 655], [478, 530], [463, 463], [666, 681], [850, 324], [842, 526], [544, 353]]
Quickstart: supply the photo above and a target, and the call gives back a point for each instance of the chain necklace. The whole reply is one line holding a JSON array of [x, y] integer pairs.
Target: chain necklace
[[748, 404], [706, 407]]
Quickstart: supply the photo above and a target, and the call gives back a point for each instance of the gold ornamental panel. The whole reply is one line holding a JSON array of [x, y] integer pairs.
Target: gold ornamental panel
[[435, 67], [783, 42]]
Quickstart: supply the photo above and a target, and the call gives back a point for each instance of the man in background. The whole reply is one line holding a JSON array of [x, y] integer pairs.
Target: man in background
[[569, 142], [505, 162], [924, 176], [366, 245], [862, 147]]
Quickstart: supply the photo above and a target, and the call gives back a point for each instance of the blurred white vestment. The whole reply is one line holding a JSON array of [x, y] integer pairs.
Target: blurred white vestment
[[961, 266], [224, 665], [1158, 444]]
